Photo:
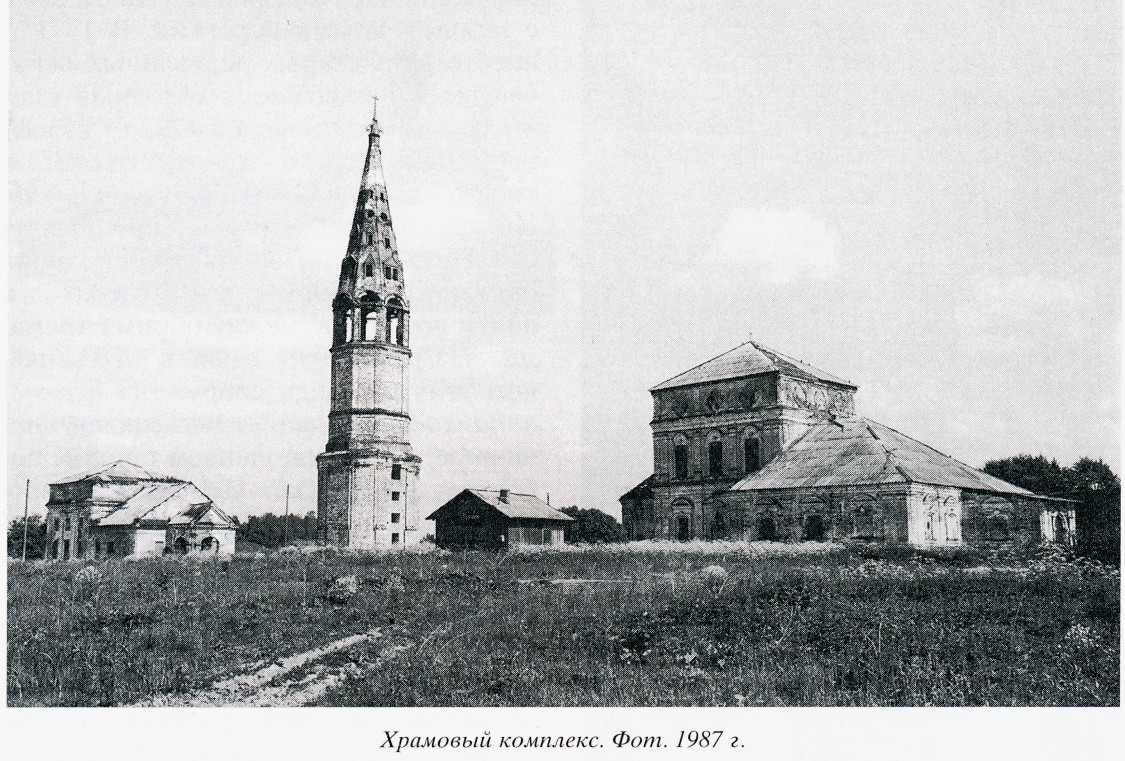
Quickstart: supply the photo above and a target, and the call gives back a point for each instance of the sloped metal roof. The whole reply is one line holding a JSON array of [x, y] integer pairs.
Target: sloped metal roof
[[172, 502], [749, 359], [520, 505], [857, 451], [119, 469]]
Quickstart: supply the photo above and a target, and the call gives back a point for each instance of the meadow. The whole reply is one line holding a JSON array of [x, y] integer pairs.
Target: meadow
[[645, 624]]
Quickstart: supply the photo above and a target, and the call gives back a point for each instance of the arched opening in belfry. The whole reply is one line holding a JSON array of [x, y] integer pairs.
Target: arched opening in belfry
[[341, 320], [396, 329], [371, 326]]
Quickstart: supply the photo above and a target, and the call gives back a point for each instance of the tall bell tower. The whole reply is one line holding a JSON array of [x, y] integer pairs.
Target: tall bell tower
[[367, 474]]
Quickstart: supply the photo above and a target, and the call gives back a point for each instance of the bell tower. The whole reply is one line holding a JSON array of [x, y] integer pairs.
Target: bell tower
[[367, 474]]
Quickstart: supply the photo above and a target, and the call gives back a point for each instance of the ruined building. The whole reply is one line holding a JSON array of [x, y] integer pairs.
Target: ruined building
[[367, 473], [122, 509], [756, 445]]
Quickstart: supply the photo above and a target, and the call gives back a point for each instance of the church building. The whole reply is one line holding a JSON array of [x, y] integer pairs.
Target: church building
[[756, 445], [367, 475]]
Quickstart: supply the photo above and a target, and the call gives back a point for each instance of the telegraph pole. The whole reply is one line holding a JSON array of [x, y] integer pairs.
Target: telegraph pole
[[26, 489], [285, 533]]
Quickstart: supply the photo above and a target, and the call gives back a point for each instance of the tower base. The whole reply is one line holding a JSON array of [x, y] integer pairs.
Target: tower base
[[366, 498]]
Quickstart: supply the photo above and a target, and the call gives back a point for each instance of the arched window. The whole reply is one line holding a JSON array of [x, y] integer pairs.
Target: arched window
[[347, 269], [396, 328], [719, 526], [814, 527], [370, 326], [715, 455], [209, 544], [952, 526], [386, 242], [181, 546], [751, 453], [368, 270], [680, 458], [931, 526], [347, 326]]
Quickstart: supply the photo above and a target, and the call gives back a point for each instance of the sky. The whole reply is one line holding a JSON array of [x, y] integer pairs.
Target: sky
[[589, 198]]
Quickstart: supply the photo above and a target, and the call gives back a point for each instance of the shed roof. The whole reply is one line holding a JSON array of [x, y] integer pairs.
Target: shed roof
[[745, 360], [517, 506], [117, 470], [857, 451]]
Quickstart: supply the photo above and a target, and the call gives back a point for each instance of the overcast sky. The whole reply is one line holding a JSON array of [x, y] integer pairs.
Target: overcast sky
[[923, 198]]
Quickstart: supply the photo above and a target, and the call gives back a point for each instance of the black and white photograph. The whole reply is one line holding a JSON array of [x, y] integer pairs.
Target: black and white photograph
[[720, 357]]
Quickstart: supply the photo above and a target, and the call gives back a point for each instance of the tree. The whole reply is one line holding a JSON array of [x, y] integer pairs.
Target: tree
[[269, 530], [1098, 492], [1090, 483], [36, 537], [592, 527], [1037, 474]]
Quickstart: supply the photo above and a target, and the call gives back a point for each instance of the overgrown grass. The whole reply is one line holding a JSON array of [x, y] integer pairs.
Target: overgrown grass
[[795, 626]]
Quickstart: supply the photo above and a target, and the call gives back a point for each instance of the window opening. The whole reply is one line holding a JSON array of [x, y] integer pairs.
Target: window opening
[[394, 538], [370, 325], [394, 496], [109, 548], [386, 242], [715, 458], [681, 461], [395, 517], [396, 472], [683, 528], [753, 459], [369, 270]]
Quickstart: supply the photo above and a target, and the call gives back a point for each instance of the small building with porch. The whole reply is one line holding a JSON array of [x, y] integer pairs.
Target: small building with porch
[[487, 519], [123, 509]]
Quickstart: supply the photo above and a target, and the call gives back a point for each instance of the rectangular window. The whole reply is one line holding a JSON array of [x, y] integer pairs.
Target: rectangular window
[[109, 548], [394, 496], [715, 458], [368, 270], [66, 548], [97, 547], [66, 522], [395, 517], [394, 538], [681, 461], [387, 273], [396, 472]]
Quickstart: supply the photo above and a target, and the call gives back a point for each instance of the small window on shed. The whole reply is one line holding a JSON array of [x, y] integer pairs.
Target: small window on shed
[[396, 472]]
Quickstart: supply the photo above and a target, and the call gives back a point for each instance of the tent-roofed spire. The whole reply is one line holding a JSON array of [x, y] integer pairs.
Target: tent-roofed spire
[[372, 236]]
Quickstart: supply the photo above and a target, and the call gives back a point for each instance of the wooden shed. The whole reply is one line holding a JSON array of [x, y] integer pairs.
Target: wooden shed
[[487, 519]]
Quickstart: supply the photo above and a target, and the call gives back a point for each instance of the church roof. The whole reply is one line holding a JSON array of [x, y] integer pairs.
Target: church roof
[[856, 451], [158, 502], [114, 471], [745, 360]]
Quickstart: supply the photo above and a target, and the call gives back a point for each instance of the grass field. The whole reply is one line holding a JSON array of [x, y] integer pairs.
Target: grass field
[[640, 625]]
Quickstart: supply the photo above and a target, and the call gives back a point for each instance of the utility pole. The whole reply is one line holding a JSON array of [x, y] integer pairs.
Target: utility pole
[[285, 533], [26, 489]]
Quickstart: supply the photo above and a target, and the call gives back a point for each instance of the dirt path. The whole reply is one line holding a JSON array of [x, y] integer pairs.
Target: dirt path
[[267, 686]]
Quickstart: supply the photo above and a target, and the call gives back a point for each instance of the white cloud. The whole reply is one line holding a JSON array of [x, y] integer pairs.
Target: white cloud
[[435, 217], [779, 245]]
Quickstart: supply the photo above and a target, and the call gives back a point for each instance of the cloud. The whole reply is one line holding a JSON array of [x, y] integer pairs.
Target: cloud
[[779, 245]]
